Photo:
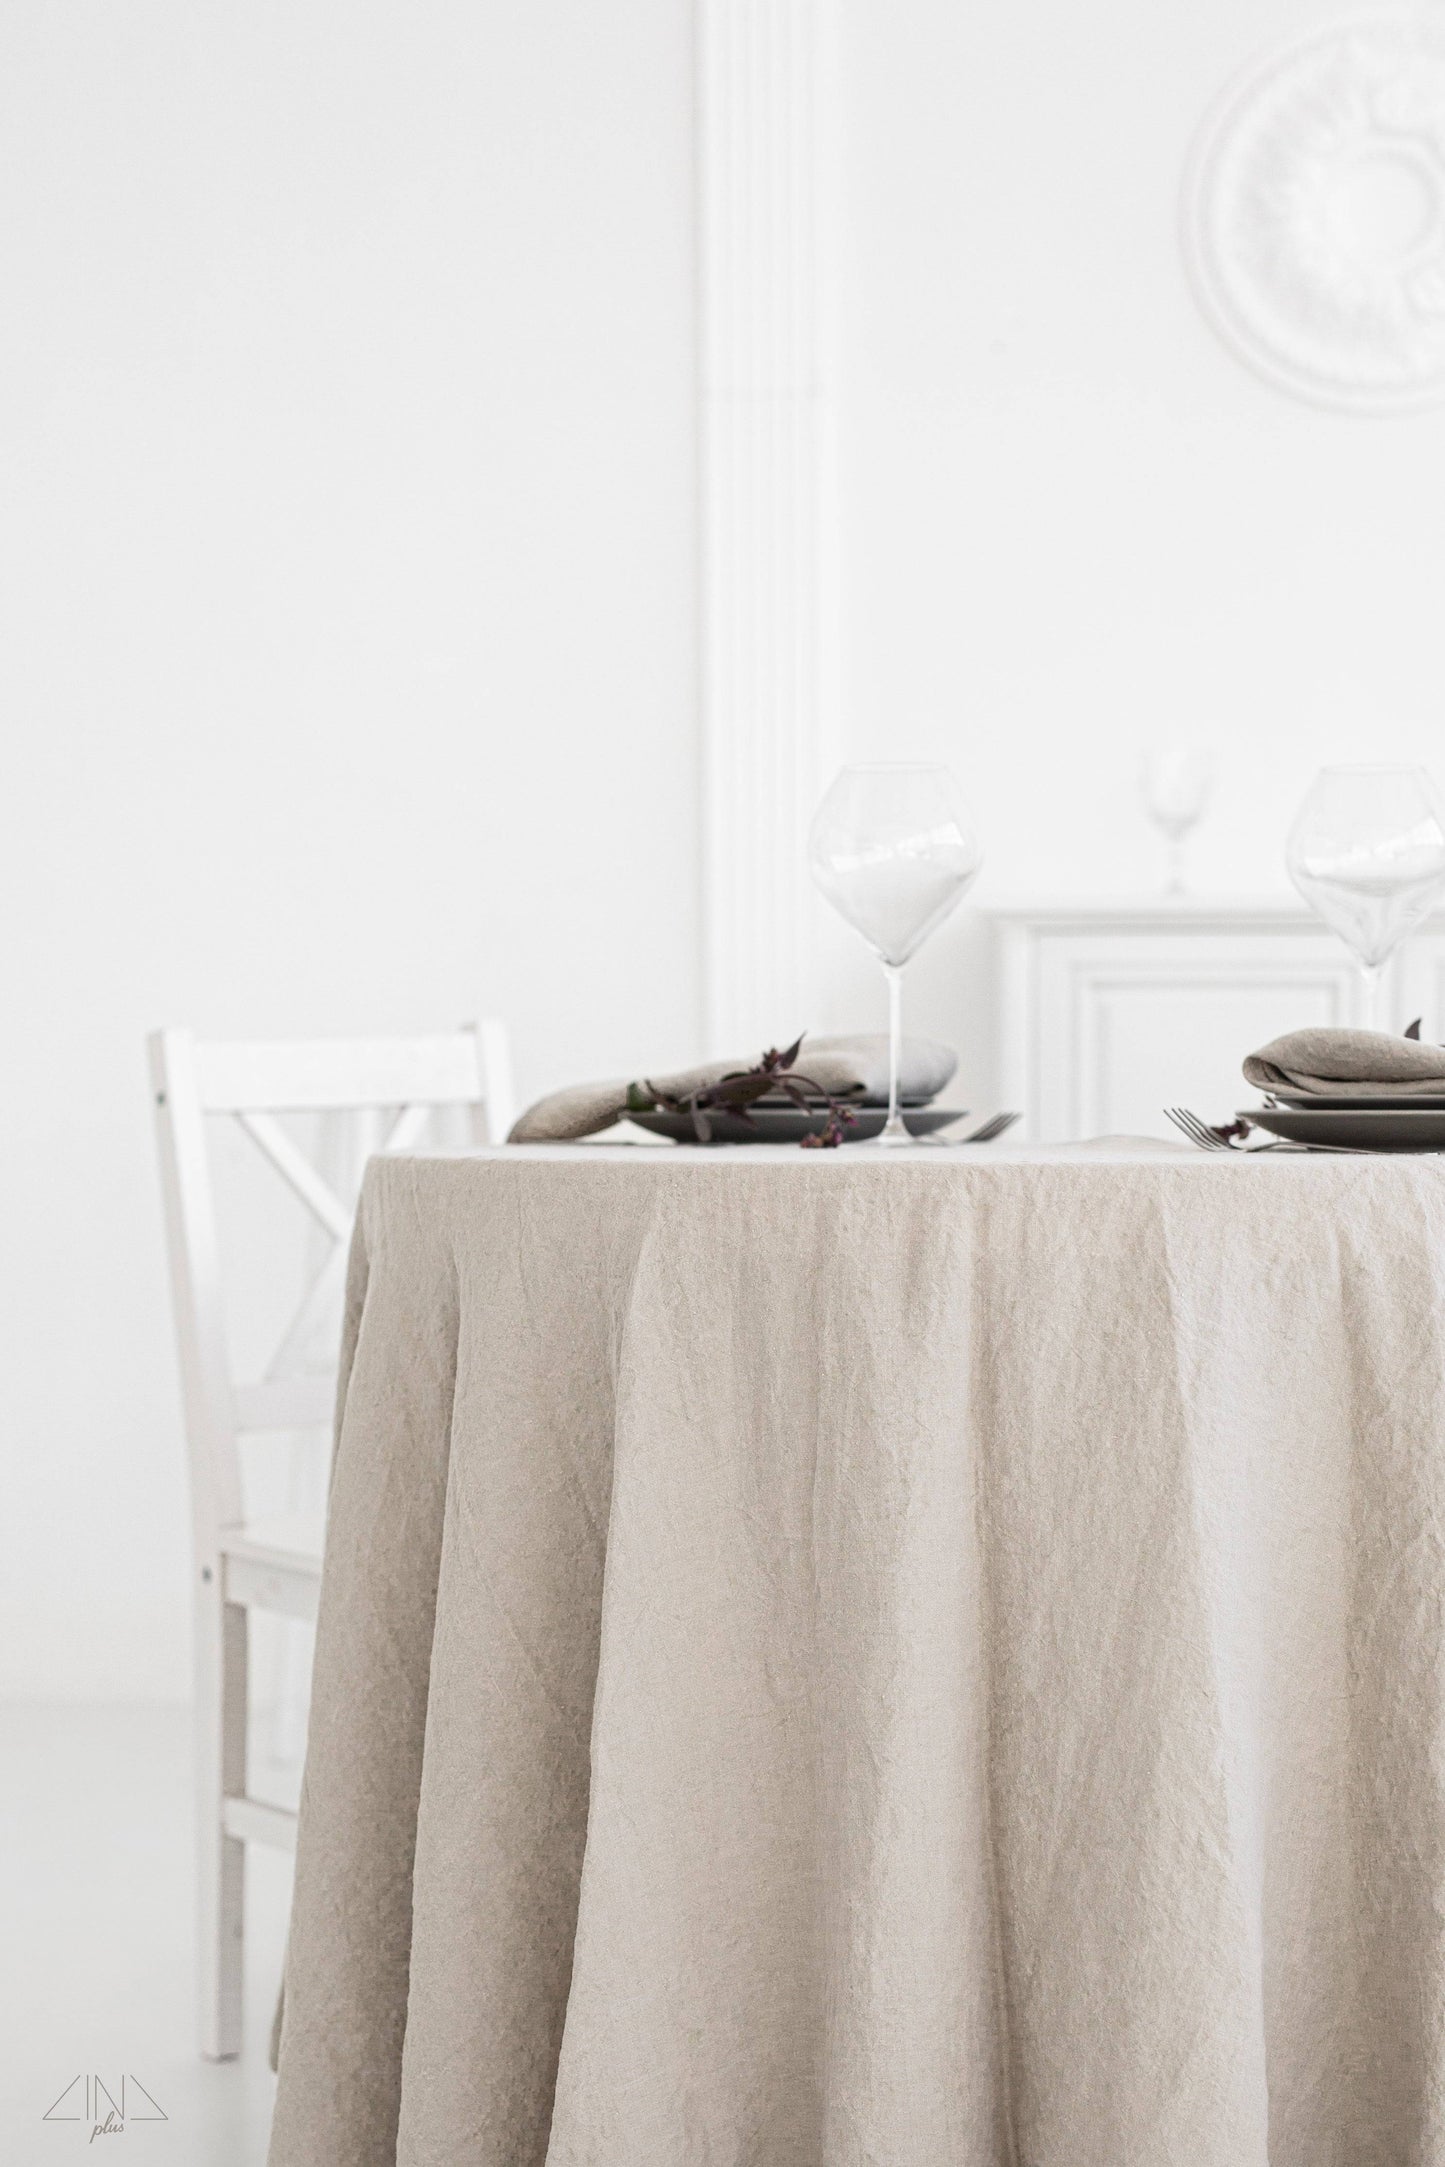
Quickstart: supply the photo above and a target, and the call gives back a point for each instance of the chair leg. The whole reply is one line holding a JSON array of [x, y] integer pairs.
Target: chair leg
[[220, 1774]]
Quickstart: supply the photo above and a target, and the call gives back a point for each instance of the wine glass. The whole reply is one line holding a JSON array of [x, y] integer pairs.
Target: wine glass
[[1177, 782], [892, 850], [1367, 852]]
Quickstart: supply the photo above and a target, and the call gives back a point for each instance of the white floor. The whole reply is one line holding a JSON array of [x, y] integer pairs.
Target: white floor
[[96, 1949]]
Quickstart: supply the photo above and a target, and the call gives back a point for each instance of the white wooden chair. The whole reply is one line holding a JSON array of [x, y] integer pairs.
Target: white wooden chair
[[272, 1565]]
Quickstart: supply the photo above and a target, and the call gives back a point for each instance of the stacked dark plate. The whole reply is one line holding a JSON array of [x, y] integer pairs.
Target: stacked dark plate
[[1350, 1089], [1355, 1124], [777, 1121]]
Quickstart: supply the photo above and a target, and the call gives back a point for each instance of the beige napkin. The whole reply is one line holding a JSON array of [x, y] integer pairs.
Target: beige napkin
[[1333, 1062], [853, 1068]]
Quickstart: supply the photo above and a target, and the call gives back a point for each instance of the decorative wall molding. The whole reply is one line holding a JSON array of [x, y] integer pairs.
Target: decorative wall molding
[[1108, 1011], [1314, 213], [768, 600]]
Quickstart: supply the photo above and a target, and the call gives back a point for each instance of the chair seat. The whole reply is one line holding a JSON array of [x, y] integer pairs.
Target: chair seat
[[274, 1564], [290, 1541]]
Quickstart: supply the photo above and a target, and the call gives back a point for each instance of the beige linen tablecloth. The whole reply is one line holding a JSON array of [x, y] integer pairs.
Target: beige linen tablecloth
[[930, 1661]]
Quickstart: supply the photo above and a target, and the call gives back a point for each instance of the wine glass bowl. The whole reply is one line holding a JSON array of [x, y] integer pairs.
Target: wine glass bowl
[[1367, 853], [892, 849]]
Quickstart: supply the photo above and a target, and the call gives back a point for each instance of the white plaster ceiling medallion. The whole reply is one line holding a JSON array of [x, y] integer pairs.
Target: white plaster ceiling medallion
[[1314, 213]]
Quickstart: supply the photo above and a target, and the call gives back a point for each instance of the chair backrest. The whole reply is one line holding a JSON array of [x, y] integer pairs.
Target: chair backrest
[[254, 1083]]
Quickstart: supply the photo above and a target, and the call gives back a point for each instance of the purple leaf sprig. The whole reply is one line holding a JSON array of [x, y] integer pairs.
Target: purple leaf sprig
[[833, 1132], [739, 1091]]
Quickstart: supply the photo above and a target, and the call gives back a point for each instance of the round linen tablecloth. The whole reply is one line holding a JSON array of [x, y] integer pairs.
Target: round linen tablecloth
[[928, 1661]]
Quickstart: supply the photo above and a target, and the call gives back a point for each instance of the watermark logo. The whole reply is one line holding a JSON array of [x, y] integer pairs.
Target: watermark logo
[[109, 2108]]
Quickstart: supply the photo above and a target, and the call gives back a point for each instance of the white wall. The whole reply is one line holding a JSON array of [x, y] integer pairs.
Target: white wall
[[1072, 520], [347, 672], [348, 668]]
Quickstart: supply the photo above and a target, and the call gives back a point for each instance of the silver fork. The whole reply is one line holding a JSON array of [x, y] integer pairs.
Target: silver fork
[[1197, 1131], [988, 1130], [1207, 1139]]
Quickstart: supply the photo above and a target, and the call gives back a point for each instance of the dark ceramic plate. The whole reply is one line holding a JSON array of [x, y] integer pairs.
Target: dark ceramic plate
[[1314, 1101], [780, 1100], [790, 1124], [1375, 1128]]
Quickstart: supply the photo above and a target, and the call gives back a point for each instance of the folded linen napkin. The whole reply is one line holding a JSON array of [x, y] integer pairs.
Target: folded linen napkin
[[851, 1068], [1326, 1061]]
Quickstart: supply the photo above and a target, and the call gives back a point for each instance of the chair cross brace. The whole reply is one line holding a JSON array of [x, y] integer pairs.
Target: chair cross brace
[[330, 1213]]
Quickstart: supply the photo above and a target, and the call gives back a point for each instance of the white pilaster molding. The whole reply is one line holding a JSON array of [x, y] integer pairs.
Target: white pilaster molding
[[768, 612]]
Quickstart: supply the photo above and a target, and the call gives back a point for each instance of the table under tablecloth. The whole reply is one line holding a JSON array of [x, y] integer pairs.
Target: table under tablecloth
[[929, 1660]]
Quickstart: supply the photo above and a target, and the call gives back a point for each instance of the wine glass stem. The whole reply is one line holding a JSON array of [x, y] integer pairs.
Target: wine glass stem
[[1374, 977], [1175, 884], [894, 1131]]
